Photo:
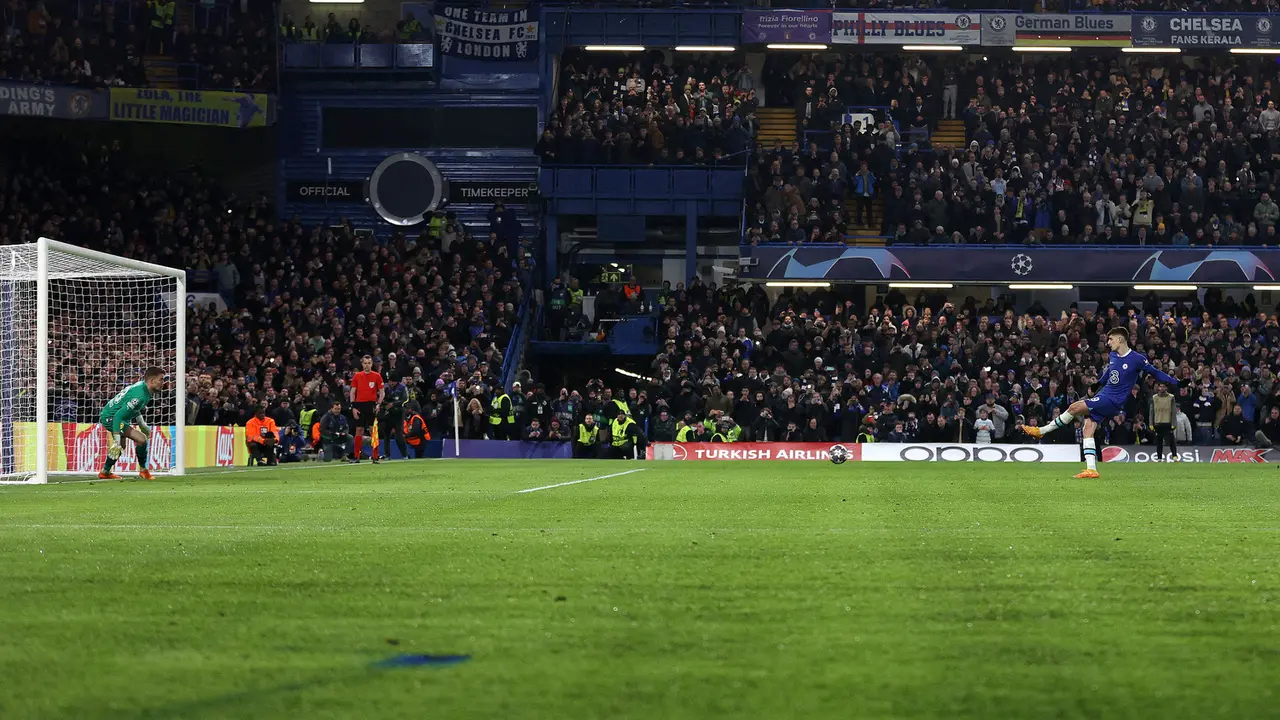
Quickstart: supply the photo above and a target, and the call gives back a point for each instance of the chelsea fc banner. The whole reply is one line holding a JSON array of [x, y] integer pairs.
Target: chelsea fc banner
[[1204, 30], [52, 101], [480, 34]]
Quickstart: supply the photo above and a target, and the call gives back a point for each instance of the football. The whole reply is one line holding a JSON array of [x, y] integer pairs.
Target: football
[[838, 453]]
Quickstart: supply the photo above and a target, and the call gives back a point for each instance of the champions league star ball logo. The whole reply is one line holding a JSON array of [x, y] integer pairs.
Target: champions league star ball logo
[[1021, 265]]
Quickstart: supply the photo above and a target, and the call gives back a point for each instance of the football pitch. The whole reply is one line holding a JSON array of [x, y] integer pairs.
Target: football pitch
[[676, 590]]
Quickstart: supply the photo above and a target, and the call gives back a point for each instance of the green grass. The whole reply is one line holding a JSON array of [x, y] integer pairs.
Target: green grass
[[688, 590]]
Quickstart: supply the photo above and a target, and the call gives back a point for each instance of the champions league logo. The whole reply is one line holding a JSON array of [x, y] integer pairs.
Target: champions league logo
[[1249, 266], [1021, 265]]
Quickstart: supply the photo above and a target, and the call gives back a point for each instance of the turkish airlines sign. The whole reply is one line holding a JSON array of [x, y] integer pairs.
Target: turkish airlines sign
[[744, 451]]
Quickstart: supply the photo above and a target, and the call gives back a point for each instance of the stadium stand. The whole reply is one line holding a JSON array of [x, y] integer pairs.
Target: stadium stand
[[643, 111], [1086, 151], [210, 46], [808, 366], [1121, 151], [302, 304]]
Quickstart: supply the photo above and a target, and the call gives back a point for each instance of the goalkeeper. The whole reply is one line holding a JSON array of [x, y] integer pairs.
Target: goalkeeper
[[122, 417]]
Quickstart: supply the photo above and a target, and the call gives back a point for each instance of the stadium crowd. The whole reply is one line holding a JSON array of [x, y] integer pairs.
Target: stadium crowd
[[639, 110], [1068, 150], [334, 32], [735, 365], [302, 304], [226, 46]]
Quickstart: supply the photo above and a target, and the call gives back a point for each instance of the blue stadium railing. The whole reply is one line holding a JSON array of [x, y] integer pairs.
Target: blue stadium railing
[[355, 56]]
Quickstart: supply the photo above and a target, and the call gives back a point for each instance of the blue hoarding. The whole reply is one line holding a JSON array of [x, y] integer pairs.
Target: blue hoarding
[[1012, 265]]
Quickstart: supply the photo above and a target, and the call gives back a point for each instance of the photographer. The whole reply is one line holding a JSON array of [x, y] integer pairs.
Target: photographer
[[335, 434], [291, 445], [262, 435]]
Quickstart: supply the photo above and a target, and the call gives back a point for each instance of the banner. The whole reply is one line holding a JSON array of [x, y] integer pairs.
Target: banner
[[1079, 30], [189, 107], [486, 34], [786, 26], [202, 301], [895, 28], [82, 448], [745, 451], [489, 193], [1207, 30], [51, 101], [1004, 265], [999, 29], [321, 191], [1191, 454], [929, 452], [507, 450]]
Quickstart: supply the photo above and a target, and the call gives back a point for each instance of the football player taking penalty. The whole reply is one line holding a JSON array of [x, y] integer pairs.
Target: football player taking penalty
[[122, 417], [1123, 368]]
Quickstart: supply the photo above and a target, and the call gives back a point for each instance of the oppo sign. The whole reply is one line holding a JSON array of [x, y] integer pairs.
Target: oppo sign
[[886, 452]]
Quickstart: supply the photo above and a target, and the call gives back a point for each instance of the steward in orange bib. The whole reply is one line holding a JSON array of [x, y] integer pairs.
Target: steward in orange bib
[[415, 431]]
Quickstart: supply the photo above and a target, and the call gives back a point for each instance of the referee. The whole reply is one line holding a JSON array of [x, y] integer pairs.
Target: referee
[[366, 395]]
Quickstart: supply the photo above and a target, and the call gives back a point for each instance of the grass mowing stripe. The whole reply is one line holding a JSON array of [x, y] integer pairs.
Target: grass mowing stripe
[[585, 480]]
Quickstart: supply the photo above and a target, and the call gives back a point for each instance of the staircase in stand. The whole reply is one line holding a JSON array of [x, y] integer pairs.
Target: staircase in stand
[[950, 133], [162, 72], [867, 233], [776, 124]]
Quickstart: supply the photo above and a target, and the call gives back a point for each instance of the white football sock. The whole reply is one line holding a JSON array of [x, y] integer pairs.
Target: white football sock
[[1063, 420], [1090, 454]]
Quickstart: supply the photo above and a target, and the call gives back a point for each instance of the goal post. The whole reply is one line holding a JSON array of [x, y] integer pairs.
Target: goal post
[[77, 326]]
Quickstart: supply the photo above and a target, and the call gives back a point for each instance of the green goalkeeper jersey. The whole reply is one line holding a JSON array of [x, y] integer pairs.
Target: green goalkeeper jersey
[[125, 407]]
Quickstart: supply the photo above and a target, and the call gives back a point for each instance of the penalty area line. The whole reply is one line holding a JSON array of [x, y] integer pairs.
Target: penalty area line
[[585, 480]]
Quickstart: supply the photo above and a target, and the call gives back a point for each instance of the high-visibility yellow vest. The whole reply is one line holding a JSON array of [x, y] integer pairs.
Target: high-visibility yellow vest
[[309, 33], [620, 431], [622, 406], [587, 438], [495, 417], [683, 435], [411, 28], [163, 14]]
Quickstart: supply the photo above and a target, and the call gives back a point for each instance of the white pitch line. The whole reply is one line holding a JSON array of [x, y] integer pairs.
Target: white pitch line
[[586, 480]]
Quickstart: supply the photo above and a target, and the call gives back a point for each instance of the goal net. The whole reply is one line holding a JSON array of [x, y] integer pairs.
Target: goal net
[[77, 327]]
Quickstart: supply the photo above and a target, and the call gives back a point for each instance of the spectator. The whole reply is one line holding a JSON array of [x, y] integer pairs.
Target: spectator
[[1233, 427]]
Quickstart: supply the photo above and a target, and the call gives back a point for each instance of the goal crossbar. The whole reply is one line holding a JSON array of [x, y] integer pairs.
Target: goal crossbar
[[76, 263]]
